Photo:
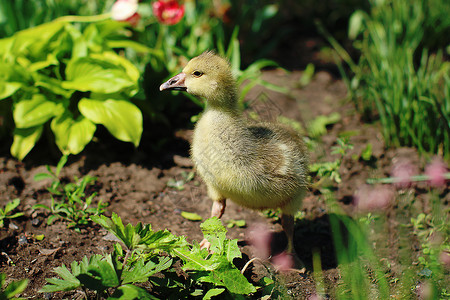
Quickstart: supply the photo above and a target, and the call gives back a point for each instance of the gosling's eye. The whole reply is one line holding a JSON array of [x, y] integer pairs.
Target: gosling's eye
[[197, 73]]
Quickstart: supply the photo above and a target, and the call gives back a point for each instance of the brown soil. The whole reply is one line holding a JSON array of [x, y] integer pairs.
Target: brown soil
[[134, 182]]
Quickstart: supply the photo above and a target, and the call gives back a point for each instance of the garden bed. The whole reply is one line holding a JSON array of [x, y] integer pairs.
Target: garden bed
[[134, 183]]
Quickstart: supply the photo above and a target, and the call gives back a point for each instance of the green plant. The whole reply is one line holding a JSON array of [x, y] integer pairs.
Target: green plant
[[22, 14], [360, 268], [114, 275], [318, 126], [5, 212], [69, 202], [12, 289], [328, 169], [397, 78], [56, 73]]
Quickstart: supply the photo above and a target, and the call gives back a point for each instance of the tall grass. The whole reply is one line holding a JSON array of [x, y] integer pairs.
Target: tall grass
[[376, 262], [402, 76], [21, 14]]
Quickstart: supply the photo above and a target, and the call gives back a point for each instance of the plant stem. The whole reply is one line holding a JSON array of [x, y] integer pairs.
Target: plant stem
[[84, 19], [398, 179]]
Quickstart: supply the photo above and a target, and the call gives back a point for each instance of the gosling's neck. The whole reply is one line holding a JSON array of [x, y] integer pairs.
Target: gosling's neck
[[226, 103]]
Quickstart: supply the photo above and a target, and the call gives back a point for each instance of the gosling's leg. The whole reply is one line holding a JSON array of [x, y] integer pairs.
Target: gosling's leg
[[287, 221], [217, 210]]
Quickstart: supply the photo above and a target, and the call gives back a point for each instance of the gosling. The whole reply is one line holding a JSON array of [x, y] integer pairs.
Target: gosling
[[258, 166]]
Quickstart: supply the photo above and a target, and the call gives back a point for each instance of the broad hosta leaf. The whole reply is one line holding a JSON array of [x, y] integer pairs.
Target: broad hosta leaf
[[39, 65], [96, 75], [72, 135], [24, 140], [122, 118], [131, 292], [35, 111], [52, 85], [118, 60], [8, 88], [33, 41]]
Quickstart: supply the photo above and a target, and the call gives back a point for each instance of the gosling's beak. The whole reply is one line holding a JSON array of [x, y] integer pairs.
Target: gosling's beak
[[174, 83]]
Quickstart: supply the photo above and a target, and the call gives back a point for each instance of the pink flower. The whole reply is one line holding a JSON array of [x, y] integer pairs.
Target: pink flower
[[435, 171], [125, 11], [168, 12], [424, 290], [403, 170], [283, 261], [260, 238], [368, 198], [444, 257]]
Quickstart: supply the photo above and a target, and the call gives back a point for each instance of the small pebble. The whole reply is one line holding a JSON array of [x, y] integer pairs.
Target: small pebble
[[23, 240], [13, 226], [35, 222]]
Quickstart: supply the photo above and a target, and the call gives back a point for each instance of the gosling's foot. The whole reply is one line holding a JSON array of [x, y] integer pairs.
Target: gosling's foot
[[288, 262], [205, 244]]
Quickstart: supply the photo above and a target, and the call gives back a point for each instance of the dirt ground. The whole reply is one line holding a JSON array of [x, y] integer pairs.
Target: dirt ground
[[134, 183]]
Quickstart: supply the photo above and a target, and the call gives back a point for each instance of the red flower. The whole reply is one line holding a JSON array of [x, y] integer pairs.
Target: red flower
[[125, 11], [168, 12]]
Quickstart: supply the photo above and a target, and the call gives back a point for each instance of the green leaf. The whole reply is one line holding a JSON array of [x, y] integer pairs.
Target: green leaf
[[122, 118], [72, 135], [67, 283], [131, 292], [34, 41], [233, 280], [14, 288], [96, 75], [35, 111], [126, 234], [106, 271], [10, 206], [317, 127], [232, 250], [24, 140], [212, 293], [141, 272], [8, 88], [214, 231], [51, 60], [52, 85], [117, 60], [191, 216], [16, 215], [366, 153], [42, 176], [355, 26]]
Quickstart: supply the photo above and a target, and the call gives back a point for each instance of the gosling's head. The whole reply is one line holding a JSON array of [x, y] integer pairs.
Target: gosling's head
[[208, 76]]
